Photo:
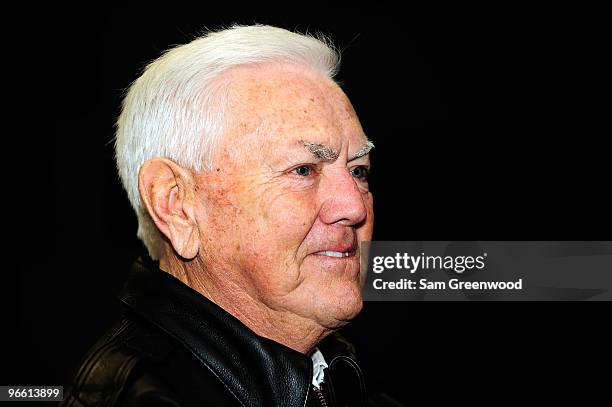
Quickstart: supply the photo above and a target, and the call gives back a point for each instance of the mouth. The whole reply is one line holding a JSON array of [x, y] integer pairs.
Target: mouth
[[331, 253]]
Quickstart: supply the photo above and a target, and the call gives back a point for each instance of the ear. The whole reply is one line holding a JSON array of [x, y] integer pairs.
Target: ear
[[167, 190]]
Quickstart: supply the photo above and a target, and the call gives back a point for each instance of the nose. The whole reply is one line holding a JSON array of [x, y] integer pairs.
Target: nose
[[342, 199]]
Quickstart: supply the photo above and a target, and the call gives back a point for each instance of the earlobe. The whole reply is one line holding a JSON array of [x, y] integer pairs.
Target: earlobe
[[167, 192], [185, 241]]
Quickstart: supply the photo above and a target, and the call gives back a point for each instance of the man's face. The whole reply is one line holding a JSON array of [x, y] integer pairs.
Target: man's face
[[288, 201]]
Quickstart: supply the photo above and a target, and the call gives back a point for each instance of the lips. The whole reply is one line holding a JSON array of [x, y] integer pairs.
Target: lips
[[331, 253], [338, 250]]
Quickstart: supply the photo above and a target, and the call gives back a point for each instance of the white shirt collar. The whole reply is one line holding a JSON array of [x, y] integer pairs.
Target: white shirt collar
[[318, 364]]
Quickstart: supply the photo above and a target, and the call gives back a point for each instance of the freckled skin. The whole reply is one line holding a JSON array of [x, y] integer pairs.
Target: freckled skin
[[260, 223]]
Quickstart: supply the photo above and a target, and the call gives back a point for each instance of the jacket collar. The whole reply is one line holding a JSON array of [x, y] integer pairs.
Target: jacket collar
[[256, 370]]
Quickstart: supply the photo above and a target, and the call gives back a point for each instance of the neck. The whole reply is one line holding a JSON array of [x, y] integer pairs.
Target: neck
[[294, 331]]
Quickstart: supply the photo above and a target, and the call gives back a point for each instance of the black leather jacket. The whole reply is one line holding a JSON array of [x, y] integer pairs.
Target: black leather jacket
[[174, 347]]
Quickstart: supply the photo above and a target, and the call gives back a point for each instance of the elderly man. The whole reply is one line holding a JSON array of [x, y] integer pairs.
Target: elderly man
[[248, 170]]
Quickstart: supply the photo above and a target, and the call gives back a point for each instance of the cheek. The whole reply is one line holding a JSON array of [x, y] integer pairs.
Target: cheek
[[277, 224], [269, 222], [285, 218]]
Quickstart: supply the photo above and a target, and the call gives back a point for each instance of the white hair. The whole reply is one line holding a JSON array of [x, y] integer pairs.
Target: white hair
[[177, 108]]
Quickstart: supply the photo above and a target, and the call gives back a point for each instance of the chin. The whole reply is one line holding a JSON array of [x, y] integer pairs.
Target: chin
[[342, 308]]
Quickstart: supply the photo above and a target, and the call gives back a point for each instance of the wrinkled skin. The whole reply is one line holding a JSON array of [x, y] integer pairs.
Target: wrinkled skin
[[268, 208]]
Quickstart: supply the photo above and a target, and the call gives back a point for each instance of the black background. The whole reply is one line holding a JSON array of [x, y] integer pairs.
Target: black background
[[488, 124]]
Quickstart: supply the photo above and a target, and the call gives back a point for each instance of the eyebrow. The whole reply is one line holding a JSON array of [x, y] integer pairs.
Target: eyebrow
[[363, 150], [326, 153]]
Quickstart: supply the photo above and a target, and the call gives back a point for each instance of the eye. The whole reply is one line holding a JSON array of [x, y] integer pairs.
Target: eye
[[303, 170], [360, 172]]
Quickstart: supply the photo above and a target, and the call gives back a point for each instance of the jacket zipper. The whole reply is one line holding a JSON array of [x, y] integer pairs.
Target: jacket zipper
[[321, 397]]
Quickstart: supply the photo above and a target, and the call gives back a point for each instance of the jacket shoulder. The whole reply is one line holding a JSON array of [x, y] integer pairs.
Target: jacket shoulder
[[110, 365], [135, 364]]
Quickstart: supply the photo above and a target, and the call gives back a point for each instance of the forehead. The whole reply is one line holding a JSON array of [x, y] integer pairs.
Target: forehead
[[292, 102]]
